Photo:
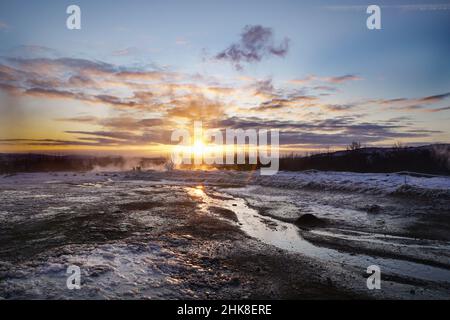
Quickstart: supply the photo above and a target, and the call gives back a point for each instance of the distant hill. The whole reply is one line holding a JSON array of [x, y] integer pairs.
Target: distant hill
[[433, 159]]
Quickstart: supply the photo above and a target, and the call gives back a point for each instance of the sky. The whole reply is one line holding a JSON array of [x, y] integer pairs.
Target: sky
[[138, 70]]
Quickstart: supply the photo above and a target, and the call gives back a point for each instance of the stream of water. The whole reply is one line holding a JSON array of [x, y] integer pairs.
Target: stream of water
[[286, 236]]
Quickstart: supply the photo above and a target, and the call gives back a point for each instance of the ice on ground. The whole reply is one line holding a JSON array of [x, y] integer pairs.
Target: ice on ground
[[128, 230], [378, 183]]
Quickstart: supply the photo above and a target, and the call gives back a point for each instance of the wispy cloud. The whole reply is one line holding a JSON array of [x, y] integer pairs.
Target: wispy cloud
[[29, 51], [328, 79], [181, 41], [339, 130], [125, 52], [85, 80], [439, 109], [421, 103], [404, 7], [163, 99], [3, 26]]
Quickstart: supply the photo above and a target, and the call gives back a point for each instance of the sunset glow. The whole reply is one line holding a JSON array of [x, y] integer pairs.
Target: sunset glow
[[300, 75]]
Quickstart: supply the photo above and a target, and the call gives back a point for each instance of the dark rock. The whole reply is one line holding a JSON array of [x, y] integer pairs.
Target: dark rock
[[227, 214], [235, 282], [373, 208], [309, 221]]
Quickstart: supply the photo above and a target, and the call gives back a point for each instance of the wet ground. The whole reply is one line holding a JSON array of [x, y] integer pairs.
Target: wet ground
[[214, 236]]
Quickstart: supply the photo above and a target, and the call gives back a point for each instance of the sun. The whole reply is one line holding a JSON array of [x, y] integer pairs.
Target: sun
[[198, 148]]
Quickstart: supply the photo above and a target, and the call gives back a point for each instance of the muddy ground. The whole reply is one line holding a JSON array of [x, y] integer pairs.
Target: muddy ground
[[135, 236]]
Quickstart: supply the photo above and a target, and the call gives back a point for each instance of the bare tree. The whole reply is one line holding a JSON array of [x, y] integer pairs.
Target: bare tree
[[355, 145]]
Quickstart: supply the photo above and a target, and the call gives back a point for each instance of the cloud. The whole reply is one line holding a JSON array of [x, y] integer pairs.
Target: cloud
[[126, 52], [124, 138], [439, 109], [80, 119], [181, 41], [263, 89], [339, 140], [332, 79], [4, 25], [114, 134], [420, 103], [403, 7], [339, 131], [123, 122], [341, 79], [256, 43], [339, 107], [54, 142], [146, 104], [422, 7], [32, 51], [288, 102], [87, 81], [303, 81], [277, 98], [81, 81], [97, 82], [196, 107], [435, 98], [100, 139], [59, 67]]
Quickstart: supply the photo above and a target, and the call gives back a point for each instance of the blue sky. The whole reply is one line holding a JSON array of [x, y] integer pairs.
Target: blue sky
[[399, 72]]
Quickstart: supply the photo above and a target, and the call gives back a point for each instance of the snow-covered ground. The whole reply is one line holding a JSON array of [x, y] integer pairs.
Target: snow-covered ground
[[381, 183]]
